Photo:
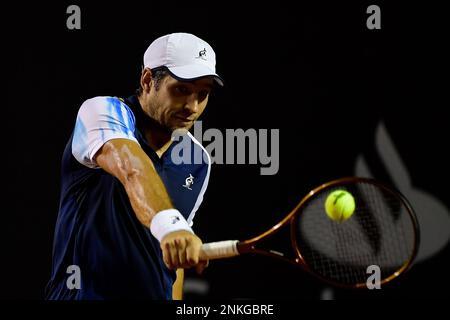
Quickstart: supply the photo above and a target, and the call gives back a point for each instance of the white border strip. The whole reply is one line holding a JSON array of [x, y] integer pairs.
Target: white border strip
[[205, 183]]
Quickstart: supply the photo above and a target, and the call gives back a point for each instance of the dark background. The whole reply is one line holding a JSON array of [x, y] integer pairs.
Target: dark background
[[314, 71]]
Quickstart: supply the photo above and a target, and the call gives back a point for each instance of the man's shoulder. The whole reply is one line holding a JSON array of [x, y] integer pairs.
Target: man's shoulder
[[104, 101], [111, 105]]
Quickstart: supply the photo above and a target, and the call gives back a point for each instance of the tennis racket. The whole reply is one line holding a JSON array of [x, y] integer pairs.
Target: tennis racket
[[382, 231]]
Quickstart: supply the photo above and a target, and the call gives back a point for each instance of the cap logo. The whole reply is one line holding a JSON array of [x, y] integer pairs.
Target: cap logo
[[201, 54]]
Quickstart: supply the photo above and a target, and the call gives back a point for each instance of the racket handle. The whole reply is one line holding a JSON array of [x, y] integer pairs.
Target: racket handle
[[218, 250]]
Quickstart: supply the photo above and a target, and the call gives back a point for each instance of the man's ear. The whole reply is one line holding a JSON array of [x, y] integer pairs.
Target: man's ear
[[146, 80]]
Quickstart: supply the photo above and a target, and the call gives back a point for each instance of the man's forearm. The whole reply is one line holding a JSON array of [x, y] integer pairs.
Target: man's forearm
[[148, 196], [147, 193], [127, 162]]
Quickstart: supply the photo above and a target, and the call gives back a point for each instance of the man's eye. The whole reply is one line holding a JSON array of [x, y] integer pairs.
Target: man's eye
[[181, 89], [203, 94]]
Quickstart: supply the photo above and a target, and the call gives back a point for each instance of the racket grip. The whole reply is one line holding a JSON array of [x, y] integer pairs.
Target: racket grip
[[218, 250]]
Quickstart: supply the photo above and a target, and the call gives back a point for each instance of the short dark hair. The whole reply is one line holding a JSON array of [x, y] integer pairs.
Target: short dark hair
[[158, 74]]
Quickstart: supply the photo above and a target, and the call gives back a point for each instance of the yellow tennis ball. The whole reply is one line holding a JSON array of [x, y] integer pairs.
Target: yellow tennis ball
[[340, 205]]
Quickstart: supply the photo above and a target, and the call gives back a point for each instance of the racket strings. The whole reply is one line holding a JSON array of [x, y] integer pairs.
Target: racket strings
[[380, 232], [398, 235]]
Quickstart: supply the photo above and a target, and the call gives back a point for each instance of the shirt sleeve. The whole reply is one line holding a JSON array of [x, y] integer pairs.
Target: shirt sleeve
[[99, 120]]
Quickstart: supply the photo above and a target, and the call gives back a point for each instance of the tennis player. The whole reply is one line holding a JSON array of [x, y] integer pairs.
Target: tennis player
[[126, 206]]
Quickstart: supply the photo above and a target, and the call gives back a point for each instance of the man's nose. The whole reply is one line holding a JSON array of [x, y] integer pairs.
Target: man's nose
[[192, 103]]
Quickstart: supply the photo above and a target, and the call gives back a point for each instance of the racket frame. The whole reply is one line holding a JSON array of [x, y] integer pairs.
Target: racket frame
[[250, 245]]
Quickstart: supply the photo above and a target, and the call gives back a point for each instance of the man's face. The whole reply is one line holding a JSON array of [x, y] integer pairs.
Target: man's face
[[177, 104]]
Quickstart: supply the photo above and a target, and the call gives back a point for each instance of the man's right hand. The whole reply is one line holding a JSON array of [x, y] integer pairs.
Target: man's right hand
[[181, 249]]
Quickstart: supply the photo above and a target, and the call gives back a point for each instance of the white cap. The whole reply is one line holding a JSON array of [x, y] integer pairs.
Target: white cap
[[186, 56]]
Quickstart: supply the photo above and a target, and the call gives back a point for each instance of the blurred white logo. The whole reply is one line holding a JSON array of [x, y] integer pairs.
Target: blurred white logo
[[189, 182], [432, 215]]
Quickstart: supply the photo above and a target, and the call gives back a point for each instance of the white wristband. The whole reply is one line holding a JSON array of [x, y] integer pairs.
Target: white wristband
[[168, 221]]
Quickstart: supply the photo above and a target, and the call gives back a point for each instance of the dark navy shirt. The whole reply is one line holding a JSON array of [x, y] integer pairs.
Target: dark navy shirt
[[97, 229]]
